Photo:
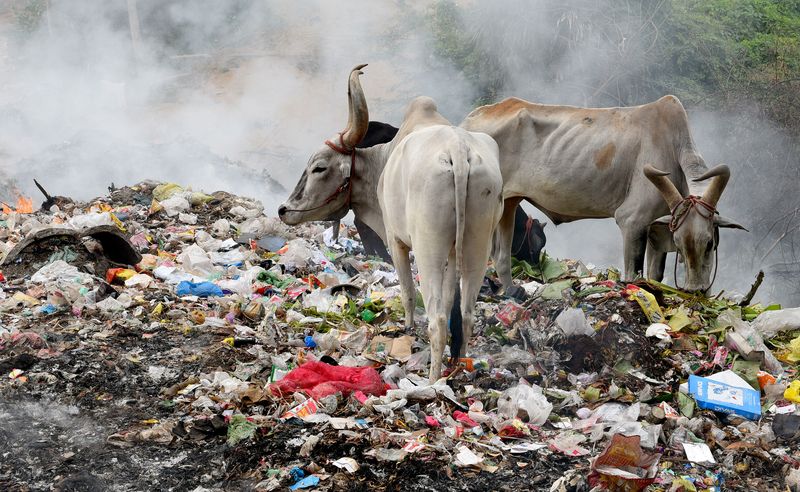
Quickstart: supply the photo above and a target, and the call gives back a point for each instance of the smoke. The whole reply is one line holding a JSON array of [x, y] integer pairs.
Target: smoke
[[215, 94], [601, 54], [212, 94]]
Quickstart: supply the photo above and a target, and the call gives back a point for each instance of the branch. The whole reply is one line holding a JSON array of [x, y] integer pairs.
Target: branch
[[749, 297]]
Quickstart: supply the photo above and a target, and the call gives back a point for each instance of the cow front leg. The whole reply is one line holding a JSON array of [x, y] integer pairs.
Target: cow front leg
[[656, 261], [634, 241], [402, 265], [503, 237]]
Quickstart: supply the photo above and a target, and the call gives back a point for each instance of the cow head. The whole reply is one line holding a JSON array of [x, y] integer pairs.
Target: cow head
[[694, 223], [323, 191]]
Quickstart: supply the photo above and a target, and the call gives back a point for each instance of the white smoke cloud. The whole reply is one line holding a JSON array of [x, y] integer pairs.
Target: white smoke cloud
[[219, 91]]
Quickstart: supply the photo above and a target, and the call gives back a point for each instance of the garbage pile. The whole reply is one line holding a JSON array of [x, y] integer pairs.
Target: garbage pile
[[162, 338]]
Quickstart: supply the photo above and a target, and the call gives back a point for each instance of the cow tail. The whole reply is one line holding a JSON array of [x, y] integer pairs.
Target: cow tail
[[461, 177], [459, 158]]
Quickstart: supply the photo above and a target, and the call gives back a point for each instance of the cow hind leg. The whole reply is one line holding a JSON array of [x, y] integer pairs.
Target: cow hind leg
[[402, 265], [504, 235], [432, 272], [452, 299]]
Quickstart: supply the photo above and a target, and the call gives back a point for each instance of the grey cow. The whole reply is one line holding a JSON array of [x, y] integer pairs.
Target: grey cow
[[577, 163]]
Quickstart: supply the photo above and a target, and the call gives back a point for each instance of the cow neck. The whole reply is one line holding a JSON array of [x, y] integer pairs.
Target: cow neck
[[364, 199]]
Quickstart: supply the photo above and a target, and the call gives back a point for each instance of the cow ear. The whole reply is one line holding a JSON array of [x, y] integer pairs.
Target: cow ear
[[722, 221], [662, 221]]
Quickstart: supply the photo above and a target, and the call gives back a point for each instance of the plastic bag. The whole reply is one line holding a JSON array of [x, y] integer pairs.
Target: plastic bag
[[527, 398], [512, 355], [573, 322], [61, 273], [166, 190], [200, 289], [623, 465], [647, 302], [196, 261], [139, 280], [80, 222], [568, 443], [792, 392], [392, 374], [752, 336], [320, 380], [770, 323], [321, 300], [175, 205]]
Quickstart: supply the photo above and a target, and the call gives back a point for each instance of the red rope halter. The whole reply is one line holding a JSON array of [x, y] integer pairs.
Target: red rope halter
[[342, 149], [527, 240], [679, 216], [347, 185]]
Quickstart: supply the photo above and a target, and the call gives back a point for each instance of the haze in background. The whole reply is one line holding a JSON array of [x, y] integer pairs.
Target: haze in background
[[235, 95]]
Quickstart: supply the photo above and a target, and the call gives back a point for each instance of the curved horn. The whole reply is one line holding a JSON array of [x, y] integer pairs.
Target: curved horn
[[667, 188], [358, 119], [721, 175]]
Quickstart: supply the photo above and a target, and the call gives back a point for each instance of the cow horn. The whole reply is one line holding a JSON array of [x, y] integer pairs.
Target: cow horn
[[667, 188], [358, 119], [721, 175]]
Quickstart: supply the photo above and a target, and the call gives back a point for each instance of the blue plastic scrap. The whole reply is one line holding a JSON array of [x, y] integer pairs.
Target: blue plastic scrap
[[199, 289], [310, 343], [308, 482]]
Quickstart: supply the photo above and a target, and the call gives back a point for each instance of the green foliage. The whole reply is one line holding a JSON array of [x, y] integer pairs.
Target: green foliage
[[721, 53], [29, 14], [452, 42]]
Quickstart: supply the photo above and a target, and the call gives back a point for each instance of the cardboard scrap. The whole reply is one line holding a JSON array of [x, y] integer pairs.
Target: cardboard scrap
[[396, 348]]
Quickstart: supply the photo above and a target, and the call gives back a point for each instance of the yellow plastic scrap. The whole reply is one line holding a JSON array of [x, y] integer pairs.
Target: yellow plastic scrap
[[25, 299], [198, 198], [648, 303], [118, 222], [679, 318], [124, 274], [792, 393], [794, 351], [165, 191], [155, 207], [157, 310]]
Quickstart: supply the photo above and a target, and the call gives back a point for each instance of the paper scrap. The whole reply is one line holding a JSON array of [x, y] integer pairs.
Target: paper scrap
[[698, 452], [347, 464]]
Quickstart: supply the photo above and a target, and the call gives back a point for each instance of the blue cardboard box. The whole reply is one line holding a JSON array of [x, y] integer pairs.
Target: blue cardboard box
[[722, 397]]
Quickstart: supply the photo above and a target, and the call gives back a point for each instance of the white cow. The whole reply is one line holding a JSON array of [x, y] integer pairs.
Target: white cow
[[435, 188]]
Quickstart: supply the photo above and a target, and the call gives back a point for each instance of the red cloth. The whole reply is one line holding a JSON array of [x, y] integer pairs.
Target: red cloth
[[318, 380]]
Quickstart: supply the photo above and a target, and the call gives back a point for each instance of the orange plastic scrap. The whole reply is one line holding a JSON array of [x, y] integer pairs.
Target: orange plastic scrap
[[623, 465]]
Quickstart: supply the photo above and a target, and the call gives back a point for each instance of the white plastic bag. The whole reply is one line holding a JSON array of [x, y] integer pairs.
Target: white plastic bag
[[175, 205], [524, 397], [770, 323], [746, 330], [573, 322], [196, 261], [62, 273]]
